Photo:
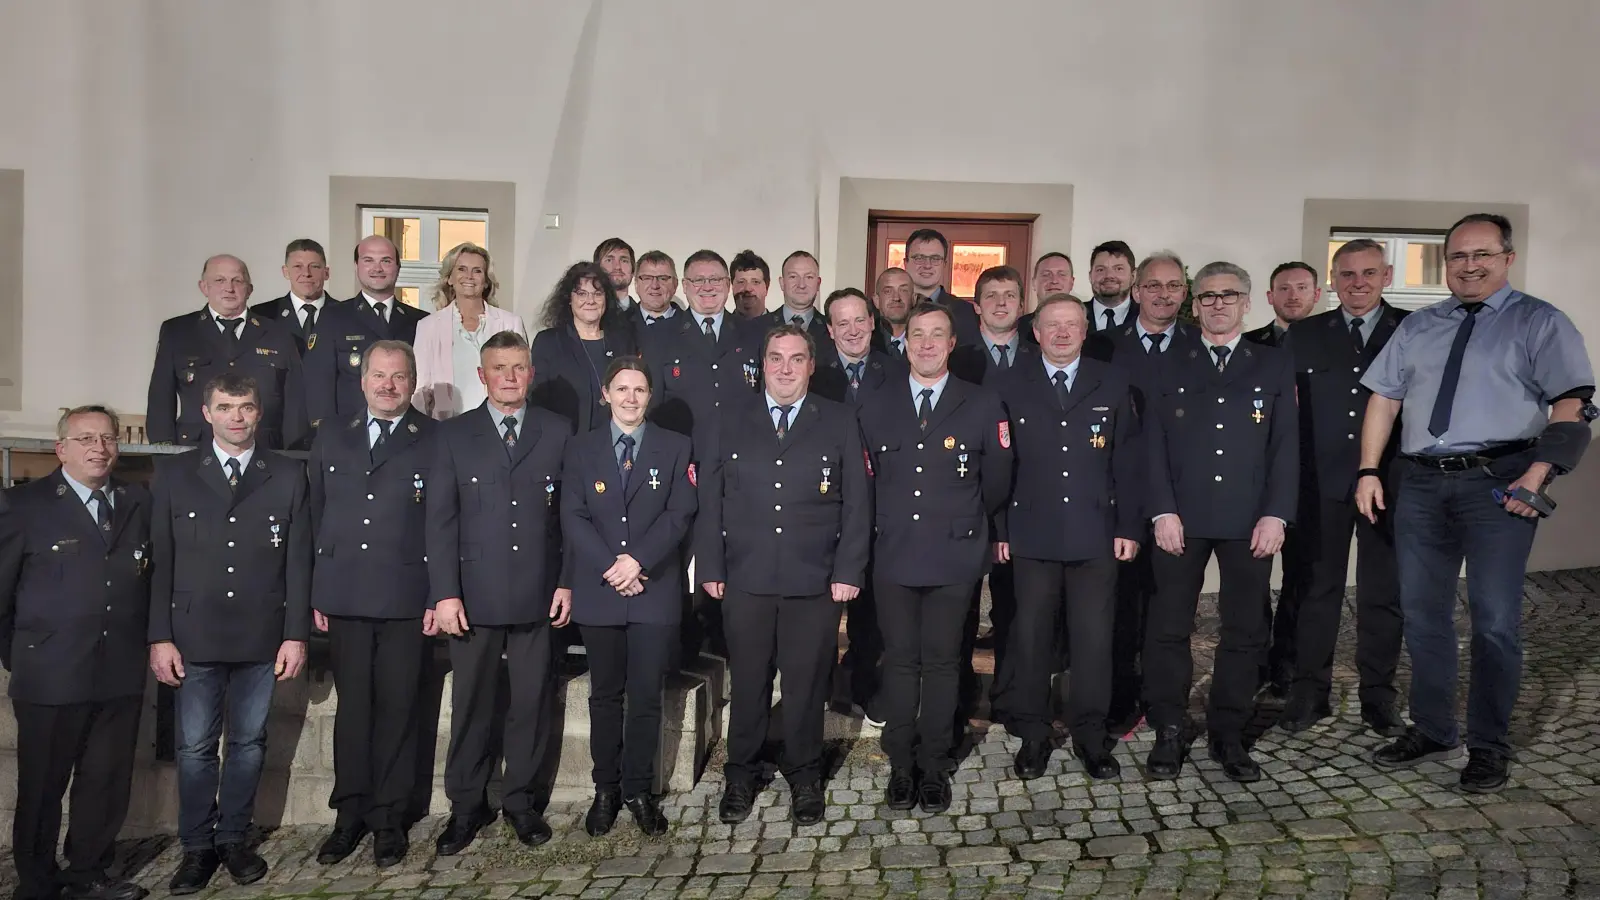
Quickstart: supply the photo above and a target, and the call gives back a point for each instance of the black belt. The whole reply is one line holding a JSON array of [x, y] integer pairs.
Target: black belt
[[1461, 462]]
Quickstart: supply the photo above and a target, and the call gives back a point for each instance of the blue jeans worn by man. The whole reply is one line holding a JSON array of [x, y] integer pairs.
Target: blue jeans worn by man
[[217, 800]]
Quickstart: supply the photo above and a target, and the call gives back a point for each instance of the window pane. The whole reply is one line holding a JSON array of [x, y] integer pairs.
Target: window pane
[[410, 296], [897, 255], [453, 232], [406, 234], [968, 262], [1333, 247], [1424, 264]]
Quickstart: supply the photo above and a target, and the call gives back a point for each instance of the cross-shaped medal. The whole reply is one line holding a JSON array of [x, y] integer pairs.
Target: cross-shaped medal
[[1097, 441], [277, 541], [1257, 416], [962, 469], [655, 482]]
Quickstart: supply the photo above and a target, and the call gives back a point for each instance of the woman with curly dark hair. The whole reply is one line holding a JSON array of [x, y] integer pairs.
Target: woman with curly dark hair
[[585, 330]]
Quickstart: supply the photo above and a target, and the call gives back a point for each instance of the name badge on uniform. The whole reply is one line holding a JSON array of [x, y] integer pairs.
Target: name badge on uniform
[[277, 539], [655, 483], [1096, 439], [961, 469], [416, 483], [1258, 415], [265, 351], [823, 487]]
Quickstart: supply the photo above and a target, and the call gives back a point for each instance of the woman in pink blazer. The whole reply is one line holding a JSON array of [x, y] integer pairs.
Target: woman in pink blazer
[[448, 340]]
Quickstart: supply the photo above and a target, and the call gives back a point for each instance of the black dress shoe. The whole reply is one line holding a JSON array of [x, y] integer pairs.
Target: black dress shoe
[[902, 792], [1302, 712], [244, 865], [1235, 760], [603, 812], [1383, 719], [1032, 759], [460, 830], [807, 802], [647, 814], [194, 872], [1166, 756], [1486, 772], [1412, 748], [343, 842], [737, 800], [389, 846], [103, 889], [531, 828], [1097, 761], [933, 794]]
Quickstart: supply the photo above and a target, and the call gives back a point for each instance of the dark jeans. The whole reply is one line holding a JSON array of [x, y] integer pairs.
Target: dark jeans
[[923, 630], [216, 802], [1084, 593], [798, 638], [627, 668], [1440, 519]]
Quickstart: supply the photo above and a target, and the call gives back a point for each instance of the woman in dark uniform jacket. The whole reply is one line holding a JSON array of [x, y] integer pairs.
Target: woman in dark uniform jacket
[[628, 497], [585, 330]]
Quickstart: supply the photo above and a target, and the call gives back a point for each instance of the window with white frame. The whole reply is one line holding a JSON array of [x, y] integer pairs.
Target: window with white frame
[[424, 236], [1417, 258]]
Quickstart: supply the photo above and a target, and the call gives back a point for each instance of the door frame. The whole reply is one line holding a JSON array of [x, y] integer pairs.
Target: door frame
[[876, 218]]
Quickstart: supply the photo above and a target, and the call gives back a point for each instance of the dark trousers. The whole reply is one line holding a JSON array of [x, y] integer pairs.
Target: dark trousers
[[1136, 584], [377, 670], [91, 745], [1441, 518], [1325, 548], [1300, 551], [1168, 661], [923, 630], [1084, 592], [800, 637], [474, 704], [216, 801], [1002, 618], [856, 676], [627, 663]]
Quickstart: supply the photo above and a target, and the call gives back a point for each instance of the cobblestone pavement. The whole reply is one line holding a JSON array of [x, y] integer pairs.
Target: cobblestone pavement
[[1321, 823]]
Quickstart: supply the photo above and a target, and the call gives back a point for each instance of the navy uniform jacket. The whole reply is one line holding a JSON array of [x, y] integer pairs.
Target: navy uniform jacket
[[969, 329], [936, 490], [831, 381], [1333, 402], [344, 332], [786, 519], [818, 329], [192, 350], [73, 605], [695, 381], [646, 333], [1123, 347], [231, 578], [1224, 446], [1080, 471], [974, 364], [368, 518], [282, 310], [647, 520], [493, 524], [566, 382], [1267, 335]]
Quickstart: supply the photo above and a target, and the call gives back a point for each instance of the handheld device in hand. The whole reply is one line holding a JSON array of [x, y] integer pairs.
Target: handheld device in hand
[[1539, 501]]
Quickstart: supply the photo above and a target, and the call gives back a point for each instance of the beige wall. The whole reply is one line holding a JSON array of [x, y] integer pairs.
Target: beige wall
[[155, 133]]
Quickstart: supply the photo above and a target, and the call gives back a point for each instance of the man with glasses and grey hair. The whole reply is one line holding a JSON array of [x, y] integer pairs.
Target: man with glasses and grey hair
[[1224, 450]]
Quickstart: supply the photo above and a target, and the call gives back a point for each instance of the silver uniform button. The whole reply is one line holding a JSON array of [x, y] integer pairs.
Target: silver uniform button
[[1219, 477], [474, 479], [366, 521], [779, 530], [777, 484], [363, 546], [230, 593], [919, 446], [915, 517], [778, 507], [1219, 452], [780, 462], [513, 548], [624, 518]]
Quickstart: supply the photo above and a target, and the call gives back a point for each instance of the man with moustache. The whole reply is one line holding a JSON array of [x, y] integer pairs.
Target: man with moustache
[[1332, 350], [1293, 293], [1223, 482], [801, 281], [369, 592], [751, 279], [658, 283], [74, 607], [893, 296], [494, 559], [305, 267], [941, 454], [1111, 268], [194, 348], [1052, 274], [927, 261], [615, 257], [785, 521], [347, 329]]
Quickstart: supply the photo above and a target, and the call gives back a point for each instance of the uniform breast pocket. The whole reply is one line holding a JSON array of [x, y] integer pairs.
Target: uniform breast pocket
[[273, 530], [886, 455], [191, 369], [472, 489]]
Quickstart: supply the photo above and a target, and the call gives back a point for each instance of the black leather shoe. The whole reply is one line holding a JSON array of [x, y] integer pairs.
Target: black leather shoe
[[1302, 712], [343, 842], [1383, 719], [646, 810], [1032, 759], [902, 792], [738, 798], [389, 846], [244, 865], [807, 802], [1412, 748], [460, 830], [603, 812], [194, 872], [1097, 761], [531, 828], [933, 794], [103, 889], [1166, 756], [1486, 772], [1235, 760]]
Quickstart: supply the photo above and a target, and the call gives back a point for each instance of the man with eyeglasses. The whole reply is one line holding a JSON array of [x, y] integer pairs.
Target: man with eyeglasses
[[927, 261], [615, 257], [893, 295], [1293, 293], [800, 279], [657, 279], [349, 328], [1224, 452], [1493, 389], [752, 278], [74, 603]]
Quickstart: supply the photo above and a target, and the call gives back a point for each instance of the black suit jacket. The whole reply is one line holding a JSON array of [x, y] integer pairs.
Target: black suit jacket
[[786, 518], [1123, 347], [191, 350], [232, 569], [1224, 446], [494, 538], [566, 382], [648, 520], [695, 380], [643, 330], [1267, 335], [344, 332], [74, 602], [936, 489], [972, 362], [282, 311], [368, 518], [831, 381], [1333, 402], [818, 329]]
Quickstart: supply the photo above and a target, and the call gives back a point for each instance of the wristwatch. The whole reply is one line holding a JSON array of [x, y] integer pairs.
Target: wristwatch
[[1362, 473]]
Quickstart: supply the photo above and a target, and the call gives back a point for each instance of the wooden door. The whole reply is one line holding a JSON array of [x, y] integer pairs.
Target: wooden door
[[976, 243]]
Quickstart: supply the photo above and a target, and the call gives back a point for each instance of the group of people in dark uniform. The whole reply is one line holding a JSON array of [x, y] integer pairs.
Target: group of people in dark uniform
[[678, 479]]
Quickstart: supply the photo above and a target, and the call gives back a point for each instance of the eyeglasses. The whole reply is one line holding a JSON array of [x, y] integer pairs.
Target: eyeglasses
[[923, 259], [90, 441], [1476, 257], [1172, 287], [657, 279], [708, 281], [588, 295], [1220, 298]]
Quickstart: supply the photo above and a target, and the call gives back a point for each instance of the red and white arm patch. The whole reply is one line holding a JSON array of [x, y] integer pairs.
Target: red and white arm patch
[[1004, 430], [693, 480]]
